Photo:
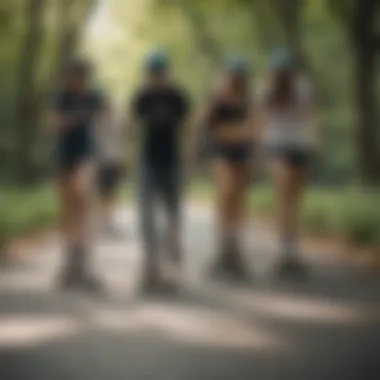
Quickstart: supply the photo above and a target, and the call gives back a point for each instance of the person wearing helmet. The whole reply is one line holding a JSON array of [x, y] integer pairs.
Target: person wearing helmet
[[160, 108], [228, 120], [75, 109], [289, 107], [111, 169]]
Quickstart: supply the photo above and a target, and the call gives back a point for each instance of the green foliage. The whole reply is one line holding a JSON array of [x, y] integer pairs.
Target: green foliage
[[349, 213], [360, 217], [26, 211], [198, 34]]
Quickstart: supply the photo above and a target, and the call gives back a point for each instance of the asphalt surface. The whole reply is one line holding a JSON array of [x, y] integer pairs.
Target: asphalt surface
[[327, 327]]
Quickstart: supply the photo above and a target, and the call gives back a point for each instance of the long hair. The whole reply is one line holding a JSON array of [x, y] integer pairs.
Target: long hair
[[282, 91], [240, 86]]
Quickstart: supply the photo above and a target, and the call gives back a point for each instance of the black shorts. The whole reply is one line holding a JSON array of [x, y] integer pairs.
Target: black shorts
[[234, 153], [292, 156], [69, 159], [74, 148], [109, 176]]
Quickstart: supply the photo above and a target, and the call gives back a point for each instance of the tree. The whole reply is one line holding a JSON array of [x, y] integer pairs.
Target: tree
[[366, 47], [358, 17], [288, 15], [27, 103], [208, 45], [72, 14]]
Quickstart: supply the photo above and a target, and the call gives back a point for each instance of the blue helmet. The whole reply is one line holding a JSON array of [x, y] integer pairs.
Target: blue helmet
[[282, 59], [157, 61], [237, 65]]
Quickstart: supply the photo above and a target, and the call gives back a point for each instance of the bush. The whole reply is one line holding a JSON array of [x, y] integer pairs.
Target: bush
[[26, 211], [262, 201], [351, 214], [359, 220]]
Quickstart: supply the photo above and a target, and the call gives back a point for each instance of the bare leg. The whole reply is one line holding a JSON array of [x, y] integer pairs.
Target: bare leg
[[79, 190], [240, 182], [224, 182], [83, 196], [232, 181], [289, 185]]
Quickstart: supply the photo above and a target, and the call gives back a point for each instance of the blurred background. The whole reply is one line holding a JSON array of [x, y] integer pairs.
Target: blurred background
[[336, 41], [338, 45]]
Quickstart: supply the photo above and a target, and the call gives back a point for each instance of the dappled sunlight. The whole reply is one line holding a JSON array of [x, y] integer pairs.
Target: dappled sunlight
[[29, 282], [189, 325], [254, 124], [101, 25], [215, 328], [305, 309], [192, 325], [20, 332]]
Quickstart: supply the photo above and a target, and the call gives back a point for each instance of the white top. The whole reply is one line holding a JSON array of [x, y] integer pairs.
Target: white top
[[291, 125], [110, 140]]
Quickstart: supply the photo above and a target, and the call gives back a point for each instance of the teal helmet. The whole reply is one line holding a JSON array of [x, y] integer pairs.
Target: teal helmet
[[282, 59], [157, 61], [236, 64]]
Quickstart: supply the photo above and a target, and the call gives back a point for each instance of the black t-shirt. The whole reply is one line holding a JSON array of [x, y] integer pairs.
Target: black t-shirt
[[84, 107], [161, 113]]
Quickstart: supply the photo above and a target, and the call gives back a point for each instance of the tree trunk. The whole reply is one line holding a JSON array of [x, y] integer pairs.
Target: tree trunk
[[289, 14], [71, 17], [207, 44], [262, 20], [365, 70], [27, 107]]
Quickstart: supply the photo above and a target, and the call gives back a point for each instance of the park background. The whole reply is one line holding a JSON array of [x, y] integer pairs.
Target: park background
[[337, 43]]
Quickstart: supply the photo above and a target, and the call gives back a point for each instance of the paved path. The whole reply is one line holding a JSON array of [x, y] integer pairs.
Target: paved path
[[327, 328]]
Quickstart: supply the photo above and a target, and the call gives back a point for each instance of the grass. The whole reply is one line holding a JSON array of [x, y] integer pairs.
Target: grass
[[26, 211], [351, 214]]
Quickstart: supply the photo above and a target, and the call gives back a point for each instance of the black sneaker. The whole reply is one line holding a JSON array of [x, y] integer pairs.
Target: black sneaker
[[69, 280], [173, 276], [81, 282], [230, 265], [150, 282], [92, 284], [292, 267], [221, 266], [238, 269]]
